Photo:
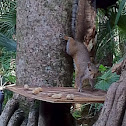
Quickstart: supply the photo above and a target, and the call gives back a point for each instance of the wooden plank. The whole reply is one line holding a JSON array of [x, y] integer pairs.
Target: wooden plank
[[87, 96]]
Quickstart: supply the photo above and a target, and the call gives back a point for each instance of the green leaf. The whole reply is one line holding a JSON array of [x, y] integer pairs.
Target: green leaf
[[106, 80], [77, 114], [9, 44], [8, 18], [121, 6], [102, 68]]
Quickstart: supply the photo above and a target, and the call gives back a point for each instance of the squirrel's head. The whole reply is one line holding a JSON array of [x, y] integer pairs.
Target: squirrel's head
[[64, 37], [93, 70]]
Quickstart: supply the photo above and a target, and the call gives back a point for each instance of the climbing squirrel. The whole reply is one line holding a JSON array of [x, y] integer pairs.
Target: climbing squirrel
[[84, 69]]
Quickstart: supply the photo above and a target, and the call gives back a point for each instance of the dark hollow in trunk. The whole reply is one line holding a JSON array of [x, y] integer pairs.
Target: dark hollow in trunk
[[55, 115]]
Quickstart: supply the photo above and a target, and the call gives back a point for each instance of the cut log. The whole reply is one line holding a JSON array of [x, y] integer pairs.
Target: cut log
[[33, 115], [11, 106], [17, 118]]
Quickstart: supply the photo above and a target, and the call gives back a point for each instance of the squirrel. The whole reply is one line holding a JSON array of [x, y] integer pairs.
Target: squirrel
[[84, 69], [83, 30]]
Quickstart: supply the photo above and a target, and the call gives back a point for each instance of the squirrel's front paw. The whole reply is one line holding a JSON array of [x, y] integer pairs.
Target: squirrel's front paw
[[79, 89]]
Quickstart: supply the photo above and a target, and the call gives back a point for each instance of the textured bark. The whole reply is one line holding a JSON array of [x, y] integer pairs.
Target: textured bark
[[85, 19], [40, 56], [17, 118], [33, 116], [124, 120], [11, 106], [113, 112], [24, 123]]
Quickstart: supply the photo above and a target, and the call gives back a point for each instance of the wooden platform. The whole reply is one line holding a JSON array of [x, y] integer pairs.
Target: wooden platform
[[87, 96]]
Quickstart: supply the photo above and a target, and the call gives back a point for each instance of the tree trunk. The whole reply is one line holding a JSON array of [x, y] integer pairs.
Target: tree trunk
[[114, 111], [85, 30], [41, 58], [85, 21]]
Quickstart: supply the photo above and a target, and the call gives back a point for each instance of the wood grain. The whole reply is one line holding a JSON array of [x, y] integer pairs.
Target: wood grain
[[87, 96]]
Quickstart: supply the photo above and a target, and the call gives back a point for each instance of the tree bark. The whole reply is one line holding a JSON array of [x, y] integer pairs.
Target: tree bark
[[124, 120], [41, 58], [85, 21], [33, 115], [11, 106], [17, 118], [113, 112]]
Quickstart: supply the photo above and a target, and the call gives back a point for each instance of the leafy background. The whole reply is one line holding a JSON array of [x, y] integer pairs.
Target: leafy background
[[111, 43]]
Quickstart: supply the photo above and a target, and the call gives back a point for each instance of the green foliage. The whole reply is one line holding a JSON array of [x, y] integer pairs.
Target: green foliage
[[106, 80], [7, 70], [10, 77], [87, 111], [8, 24], [9, 44], [121, 6], [111, 33], [96, 107], [7, 66], [102, 68], [77, 114], [8, 18], [7, 95], [8, 41]]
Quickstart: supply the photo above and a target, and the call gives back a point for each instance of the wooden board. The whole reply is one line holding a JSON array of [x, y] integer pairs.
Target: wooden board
[[87, 96]]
